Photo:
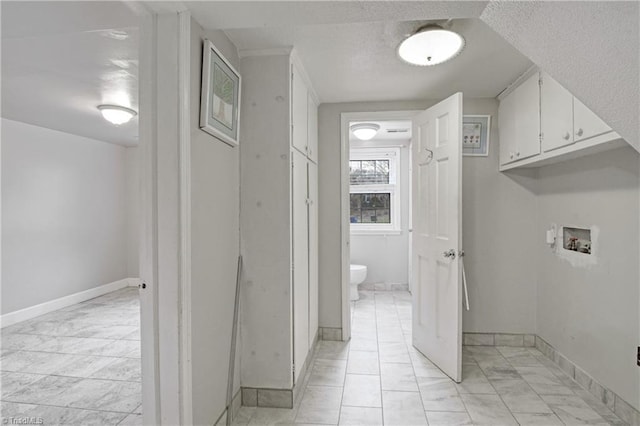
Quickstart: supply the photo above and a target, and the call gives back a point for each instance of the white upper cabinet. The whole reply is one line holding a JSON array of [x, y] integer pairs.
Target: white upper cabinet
[[519, 117], [312, 129], [556, 114], [586, 123], [541, 122], [299, 113]]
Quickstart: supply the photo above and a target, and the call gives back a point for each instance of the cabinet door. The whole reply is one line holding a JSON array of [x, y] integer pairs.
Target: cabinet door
[[312, 130], [507, 129], [313, 252], [300, 252], [556, 114], [527, 110], [299, 115], [586, 123]]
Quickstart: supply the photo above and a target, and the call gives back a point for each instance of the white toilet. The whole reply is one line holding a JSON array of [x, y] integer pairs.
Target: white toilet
[[358, 275]]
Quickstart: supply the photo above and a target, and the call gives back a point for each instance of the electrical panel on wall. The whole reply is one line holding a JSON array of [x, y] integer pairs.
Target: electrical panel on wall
[[577, 239]]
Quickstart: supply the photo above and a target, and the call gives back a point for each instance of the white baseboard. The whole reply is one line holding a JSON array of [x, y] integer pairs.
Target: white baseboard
[[63, 302], [133, 282]]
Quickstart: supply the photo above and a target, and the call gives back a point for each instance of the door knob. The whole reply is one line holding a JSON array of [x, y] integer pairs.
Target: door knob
[[566, 136], [579, 132], [450, 254]]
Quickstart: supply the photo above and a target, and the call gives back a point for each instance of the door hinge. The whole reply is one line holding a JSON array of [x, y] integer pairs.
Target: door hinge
[[540, 81], [293, 369], [541, 136]]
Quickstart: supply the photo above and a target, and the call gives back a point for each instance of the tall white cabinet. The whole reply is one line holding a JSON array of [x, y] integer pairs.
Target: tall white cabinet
[[279, 226], [304, 202]]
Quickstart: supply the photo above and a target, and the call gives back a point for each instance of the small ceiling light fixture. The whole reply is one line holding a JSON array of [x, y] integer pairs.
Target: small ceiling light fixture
[[117, 114], [365, 131], [431, 45]]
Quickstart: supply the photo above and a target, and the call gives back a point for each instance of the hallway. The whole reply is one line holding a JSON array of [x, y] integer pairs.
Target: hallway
[[379, 378]]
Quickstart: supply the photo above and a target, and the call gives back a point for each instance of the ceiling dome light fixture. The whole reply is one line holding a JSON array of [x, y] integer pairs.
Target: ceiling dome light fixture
[[430, 45], [117, 114], [365, 131]]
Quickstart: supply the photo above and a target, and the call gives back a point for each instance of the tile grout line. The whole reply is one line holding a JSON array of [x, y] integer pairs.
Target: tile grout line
[[75, 408], [415, 377], [346, 368], [375, 321], [496, 390]]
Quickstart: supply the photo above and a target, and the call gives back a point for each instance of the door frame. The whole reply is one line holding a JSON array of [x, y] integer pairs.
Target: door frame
[[165, 235], [345, 235]]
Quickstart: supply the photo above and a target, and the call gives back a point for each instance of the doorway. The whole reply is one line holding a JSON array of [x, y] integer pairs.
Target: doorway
[[435, 329], [376, 212]]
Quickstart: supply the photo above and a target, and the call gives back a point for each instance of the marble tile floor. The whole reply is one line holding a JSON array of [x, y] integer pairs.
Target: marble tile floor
[[378, 378], [76, 366]]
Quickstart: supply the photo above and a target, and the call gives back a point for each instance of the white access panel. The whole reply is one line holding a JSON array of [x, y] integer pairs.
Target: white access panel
[[527, 110], [507, 129], [300, 256], [313, 251]]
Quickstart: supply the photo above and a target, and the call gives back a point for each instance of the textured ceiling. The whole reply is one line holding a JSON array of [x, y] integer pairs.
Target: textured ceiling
[[62, 59], [592, 48], [256, 14], [358, 61]]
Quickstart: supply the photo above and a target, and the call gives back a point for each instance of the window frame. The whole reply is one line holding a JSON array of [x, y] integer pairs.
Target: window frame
[[393, 188]]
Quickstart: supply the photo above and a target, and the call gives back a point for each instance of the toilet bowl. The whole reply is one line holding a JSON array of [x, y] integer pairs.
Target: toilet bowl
[[358, 275]]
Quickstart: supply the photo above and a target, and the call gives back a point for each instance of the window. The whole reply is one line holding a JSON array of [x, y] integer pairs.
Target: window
[[374, 190]]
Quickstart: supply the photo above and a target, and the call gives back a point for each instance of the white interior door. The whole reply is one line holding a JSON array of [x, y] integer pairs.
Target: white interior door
[[437, 236]]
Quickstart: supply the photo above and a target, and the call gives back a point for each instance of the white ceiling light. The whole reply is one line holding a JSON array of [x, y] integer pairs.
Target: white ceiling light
[[431, 45], [117, 114], [365, 131]]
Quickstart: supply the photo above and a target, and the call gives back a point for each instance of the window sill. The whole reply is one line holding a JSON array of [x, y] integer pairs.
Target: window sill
[[376, 232]]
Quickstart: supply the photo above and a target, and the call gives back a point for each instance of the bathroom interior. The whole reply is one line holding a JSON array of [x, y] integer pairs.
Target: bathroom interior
[[380, 207]]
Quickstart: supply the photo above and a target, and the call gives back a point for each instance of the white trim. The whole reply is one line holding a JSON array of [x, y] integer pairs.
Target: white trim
[[62, 302], [184, 123], [276, 51], [345, 119], [134, 282]]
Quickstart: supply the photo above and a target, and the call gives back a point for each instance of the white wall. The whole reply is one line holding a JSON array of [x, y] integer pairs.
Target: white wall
[[133, 211], [265, 222], [215, 239], [498, 216], [387, 256], [64, 218], [590, 314], [495, 208]]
